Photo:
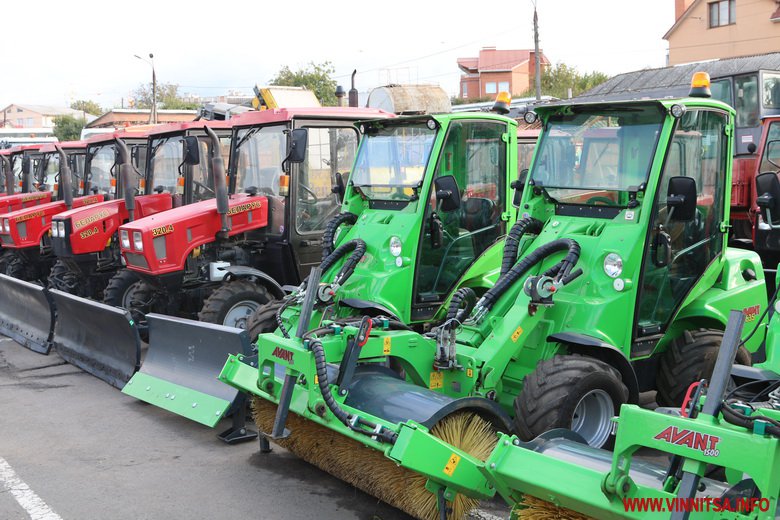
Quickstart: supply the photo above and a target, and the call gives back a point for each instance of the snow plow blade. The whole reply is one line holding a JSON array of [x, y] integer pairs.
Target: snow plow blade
[[26, 314], [180, 371], [100, 339]]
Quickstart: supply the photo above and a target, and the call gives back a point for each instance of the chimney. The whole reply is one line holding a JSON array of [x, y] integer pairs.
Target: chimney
[[680, 6]]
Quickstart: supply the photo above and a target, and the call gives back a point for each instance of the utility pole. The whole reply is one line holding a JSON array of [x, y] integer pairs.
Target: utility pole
[[153, 111], [537, 66]]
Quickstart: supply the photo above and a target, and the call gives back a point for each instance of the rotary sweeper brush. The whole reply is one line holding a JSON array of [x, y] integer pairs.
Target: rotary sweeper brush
[[619, 227]]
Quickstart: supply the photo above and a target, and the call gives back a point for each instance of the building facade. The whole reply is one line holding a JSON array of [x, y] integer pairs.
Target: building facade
[[705, 30], [494, 71], [37, 116]]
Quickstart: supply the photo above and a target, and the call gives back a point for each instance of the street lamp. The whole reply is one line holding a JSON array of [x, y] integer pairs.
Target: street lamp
[[153, 111]]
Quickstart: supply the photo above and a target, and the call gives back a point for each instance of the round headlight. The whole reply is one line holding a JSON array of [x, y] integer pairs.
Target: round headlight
[[677, 111], [613, 265], [530, 117], [395, 246], [431, 124]]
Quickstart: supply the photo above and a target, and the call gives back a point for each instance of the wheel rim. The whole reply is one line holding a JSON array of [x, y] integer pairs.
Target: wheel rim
[[126, 296], [592, 417], [239, 313]]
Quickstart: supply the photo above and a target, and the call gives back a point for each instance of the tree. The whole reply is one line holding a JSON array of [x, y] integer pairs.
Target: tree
[[557, 81], [314, 77], [68, 128], [90, 107], [167, 97]]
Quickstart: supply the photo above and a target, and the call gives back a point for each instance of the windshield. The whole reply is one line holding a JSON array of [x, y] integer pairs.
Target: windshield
[[391, 161], [167, 154], [101, 164], [591, 156], [50, 171], [260, 152]]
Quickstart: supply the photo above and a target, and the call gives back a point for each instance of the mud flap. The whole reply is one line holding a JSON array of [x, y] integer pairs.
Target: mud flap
[[180, 371], [26, 314], [99, 339]]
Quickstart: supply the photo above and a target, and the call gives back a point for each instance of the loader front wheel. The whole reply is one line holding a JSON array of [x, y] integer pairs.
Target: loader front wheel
[[233, 303], [263, 320], [574, 392], [119, 288], [688, 359], [64, 279]]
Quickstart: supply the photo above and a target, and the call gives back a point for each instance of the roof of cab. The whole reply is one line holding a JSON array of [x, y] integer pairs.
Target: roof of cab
[[285, 114]]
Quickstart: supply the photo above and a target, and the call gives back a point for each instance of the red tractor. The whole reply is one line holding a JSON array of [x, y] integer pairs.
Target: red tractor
[[86, 240], [221, 259], [25, 232]]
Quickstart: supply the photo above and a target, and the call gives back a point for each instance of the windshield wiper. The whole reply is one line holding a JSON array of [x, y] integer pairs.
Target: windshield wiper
[[252, 131], [157, 146]]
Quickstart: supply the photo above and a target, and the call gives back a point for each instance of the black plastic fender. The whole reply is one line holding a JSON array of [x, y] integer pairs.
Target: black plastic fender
[[238, 272]]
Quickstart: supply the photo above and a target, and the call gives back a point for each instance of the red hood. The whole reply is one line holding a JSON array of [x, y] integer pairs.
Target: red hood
[[27, 226], [17, 201]]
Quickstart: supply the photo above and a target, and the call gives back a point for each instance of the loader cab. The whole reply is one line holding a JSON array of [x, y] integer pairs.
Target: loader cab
[[300, 193], [178, 163]]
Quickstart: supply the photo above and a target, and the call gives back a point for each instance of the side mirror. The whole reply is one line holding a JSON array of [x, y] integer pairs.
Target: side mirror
[[518, 186], [299, 138], [681, 199], [447, 193], [191, 150], [768, 190], [339, 188]]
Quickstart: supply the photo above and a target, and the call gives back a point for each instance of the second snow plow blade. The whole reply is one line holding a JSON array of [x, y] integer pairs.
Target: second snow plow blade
[[180, 371], [99, 339], [26, 314]]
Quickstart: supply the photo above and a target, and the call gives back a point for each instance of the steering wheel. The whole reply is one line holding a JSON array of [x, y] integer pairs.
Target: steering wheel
[[600, 198], [203, 187], [313, 200]]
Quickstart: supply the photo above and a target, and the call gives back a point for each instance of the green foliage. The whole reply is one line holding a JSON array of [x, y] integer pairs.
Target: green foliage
[[314, 77], [90, 107], [557, 80], [167, 97], [68, 128]]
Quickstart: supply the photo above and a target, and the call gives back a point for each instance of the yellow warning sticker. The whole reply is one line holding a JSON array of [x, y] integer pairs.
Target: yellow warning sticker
[[469, 372], [386, 346], [437, 380], [452, 463], [316, 379], [516, 334]]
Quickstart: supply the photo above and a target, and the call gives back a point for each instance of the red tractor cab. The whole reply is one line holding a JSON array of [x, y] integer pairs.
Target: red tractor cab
[[86, 240], [22, 162], [220, 259], [25, 232]]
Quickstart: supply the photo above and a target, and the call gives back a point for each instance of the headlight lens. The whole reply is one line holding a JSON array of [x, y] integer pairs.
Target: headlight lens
[[395, 246], [61, 229], [613, 265], [124, 239], [54, 231], [138, 242], [6, 226]]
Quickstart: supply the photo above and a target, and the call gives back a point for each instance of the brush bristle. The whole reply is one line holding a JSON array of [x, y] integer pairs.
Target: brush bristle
[[532, 508], [370, 471]]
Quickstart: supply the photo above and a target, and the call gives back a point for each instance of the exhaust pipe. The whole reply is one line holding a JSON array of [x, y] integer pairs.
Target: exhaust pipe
[[220, 184], [9, 175], [125, 177], [66, 178], [353, 93]]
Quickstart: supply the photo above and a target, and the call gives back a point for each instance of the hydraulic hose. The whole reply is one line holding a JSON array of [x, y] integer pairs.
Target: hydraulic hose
[[520, 268], [457, 310], [358, 248], [512, 241], [350, 422], [329, 235], [737, 418]]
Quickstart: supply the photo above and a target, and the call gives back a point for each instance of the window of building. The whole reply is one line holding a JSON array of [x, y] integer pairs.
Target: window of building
[[19, 110], [723, 13], [503, 86], [490, 87], [28, 121], [465, 93]]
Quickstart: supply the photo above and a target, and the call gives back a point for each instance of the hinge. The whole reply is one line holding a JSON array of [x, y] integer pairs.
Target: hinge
[[728, 130], [505, 137], [724, 227]]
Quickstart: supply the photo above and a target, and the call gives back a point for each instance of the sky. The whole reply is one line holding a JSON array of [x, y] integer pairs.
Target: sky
[[57, 52]]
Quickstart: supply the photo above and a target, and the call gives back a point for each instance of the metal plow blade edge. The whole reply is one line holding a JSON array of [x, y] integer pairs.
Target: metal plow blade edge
[[180, 371], [99, 339], [26, 314]]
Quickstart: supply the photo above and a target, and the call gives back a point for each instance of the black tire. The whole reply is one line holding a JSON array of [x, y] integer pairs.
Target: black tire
[[64, 279], [688, 359], [553, 392], [264, 320], [117, 292], [5, 257], [19, 267], [224, 305]]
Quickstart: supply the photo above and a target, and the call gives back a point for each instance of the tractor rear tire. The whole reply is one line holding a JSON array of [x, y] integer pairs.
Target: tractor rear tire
[[264, 320], [574, 392], [233, 303], [64, 279], [117, 292], [688, 359], [19, 267]]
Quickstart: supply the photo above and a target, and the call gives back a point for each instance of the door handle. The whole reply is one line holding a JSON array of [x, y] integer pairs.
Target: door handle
[[311, 243]]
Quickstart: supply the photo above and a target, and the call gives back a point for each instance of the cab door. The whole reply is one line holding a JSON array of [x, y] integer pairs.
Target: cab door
[[679, 251]]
